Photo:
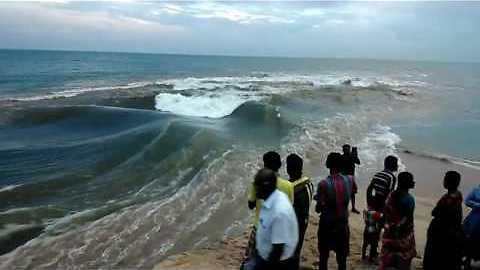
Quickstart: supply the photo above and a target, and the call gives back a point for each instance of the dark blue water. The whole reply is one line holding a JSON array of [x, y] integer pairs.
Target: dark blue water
[[152, 152]]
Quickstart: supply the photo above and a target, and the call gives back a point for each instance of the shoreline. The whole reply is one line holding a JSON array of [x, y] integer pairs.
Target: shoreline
[[228, 253]]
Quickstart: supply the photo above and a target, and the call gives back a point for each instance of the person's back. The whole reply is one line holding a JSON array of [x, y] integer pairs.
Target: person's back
[[303, 193], [349, 159], [336, 191], [333, 197], [382, 184], [286, 187], [444, 235]]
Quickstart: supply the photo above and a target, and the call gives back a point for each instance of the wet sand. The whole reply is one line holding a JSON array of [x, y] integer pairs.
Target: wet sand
[[428, 174]]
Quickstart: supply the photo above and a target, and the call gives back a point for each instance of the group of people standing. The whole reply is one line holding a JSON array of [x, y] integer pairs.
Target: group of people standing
[[282, 212], [281, 218]]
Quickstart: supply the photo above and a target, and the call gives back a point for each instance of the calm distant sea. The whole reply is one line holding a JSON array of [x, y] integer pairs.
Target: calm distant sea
[[119, 153]]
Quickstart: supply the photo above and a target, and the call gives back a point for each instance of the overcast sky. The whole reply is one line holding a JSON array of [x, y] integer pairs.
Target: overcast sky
[[445, 31]]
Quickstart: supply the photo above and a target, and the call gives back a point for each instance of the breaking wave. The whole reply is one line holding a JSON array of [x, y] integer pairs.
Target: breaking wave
[[129, 192], [264, 84], [212, 106]]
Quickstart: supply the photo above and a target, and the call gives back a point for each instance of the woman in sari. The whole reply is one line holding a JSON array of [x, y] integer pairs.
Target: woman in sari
[[398, 243], [445, 234]]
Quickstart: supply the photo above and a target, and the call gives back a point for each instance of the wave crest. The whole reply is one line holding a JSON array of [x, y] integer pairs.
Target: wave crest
[[211, 106]]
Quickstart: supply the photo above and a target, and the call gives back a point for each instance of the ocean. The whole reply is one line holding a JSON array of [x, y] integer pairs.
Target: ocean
[[116, 160]]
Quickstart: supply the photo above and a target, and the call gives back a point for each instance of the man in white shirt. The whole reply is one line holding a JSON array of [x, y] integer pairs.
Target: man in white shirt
[[277, 235]]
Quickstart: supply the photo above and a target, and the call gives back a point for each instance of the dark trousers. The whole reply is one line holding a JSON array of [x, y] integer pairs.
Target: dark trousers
[[333, 236], [302, 228], [370, 239], [325, 254], [262, 264]]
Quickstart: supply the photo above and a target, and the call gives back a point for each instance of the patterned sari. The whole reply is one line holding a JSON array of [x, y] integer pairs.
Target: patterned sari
[[398, 243]]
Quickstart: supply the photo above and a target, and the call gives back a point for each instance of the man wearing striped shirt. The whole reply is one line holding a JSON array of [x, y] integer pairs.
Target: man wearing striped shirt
[[382, 184]]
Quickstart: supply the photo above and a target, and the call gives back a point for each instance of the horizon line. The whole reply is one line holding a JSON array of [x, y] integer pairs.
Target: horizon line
[[249, 56]]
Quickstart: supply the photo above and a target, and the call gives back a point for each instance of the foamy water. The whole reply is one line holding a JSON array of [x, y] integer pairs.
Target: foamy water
[[122, 185], [212, 106]]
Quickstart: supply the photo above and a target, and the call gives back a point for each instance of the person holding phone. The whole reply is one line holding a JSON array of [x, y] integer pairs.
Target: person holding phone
[[349, 159]]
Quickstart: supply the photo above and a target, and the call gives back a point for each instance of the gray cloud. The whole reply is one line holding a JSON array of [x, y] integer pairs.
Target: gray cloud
[[446, 31]]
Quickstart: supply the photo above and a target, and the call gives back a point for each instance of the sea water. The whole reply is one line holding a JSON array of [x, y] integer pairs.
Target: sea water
[[117, 159]]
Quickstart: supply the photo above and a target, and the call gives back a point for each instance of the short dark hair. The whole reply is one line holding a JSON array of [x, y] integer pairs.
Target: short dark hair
[[452, 179], [294, 162], [267, 176], [405, 180], [294, 165], [390, 162], [334, 161], [272, 161], [346, 146]]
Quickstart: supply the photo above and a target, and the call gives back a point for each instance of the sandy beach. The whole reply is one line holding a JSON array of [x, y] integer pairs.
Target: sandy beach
[[428, 172]]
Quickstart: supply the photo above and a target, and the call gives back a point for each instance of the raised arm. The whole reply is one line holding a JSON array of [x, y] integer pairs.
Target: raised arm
[[356, 160]]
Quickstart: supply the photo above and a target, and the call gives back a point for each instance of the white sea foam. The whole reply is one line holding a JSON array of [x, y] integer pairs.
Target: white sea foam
[[278, 80], [9, 188], [208, 83], [273, 82], [78, 91], [211, 106], [379, 143]]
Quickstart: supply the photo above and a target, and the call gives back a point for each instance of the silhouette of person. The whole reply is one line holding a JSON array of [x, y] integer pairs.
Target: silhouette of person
[[303, 194], [333, 197], [445, 236]]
